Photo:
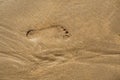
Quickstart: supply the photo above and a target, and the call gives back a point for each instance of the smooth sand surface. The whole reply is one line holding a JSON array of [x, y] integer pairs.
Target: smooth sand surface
[[59, 39]]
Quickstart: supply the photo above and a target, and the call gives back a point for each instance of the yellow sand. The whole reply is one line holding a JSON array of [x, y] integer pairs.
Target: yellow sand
[[59, 40]]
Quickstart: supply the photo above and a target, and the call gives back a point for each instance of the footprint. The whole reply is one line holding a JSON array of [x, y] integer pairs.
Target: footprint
[[57, 29], [52, 35]]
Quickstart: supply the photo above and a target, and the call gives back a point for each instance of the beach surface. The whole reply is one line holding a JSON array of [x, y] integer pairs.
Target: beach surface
[[59, 40]]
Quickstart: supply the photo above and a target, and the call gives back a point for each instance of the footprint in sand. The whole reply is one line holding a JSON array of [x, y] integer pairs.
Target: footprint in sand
[[53, 35]]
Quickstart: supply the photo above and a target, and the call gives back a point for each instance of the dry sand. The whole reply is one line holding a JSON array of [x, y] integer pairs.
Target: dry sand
[[59, 39]]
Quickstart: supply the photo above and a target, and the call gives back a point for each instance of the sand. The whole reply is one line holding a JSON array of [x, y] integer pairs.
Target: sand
[[59, 40]]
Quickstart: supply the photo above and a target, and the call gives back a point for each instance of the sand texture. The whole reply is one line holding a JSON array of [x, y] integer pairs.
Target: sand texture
[[59, 39]]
